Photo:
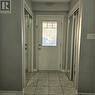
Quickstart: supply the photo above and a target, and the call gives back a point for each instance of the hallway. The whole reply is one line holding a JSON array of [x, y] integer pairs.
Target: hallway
[[47, 47], [48, 83]]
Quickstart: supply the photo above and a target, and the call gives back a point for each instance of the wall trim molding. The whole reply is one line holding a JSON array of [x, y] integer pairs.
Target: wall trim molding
[[74, 8], [64, 71], [27, 8], [35, 70], [86, 93], [80, 93], [11, 92]]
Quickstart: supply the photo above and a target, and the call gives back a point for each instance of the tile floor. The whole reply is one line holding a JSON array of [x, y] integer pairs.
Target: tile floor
[[48, 83]]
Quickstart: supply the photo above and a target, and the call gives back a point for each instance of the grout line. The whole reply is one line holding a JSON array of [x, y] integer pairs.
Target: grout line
[[60, 84], [39, 76], [36, 84]]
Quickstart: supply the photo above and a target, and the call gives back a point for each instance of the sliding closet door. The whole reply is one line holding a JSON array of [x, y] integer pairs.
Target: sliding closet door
[[72, 46], [75, 48]]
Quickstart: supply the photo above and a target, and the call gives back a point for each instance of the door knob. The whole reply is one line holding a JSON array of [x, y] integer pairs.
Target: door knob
[[25, 46], [39, 47]]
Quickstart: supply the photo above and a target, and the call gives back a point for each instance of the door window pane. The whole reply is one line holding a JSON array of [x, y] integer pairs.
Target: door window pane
[[49, 33]]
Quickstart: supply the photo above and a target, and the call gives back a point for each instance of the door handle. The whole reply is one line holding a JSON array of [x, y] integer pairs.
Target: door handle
[[39, 46], [25, 46]]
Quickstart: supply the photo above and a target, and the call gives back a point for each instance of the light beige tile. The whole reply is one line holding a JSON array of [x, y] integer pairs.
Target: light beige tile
[[55, 90], [49, 83], [42, 90], [69, 91], [30, 90]]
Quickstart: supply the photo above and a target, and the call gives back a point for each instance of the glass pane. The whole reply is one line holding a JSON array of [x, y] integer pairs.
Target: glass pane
[[49, 33]]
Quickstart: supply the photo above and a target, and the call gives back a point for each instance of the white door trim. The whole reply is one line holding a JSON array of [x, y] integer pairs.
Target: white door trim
[[30, 67], [27, 8], [86, 93], [76, 6], [72, 43], [67, 45], [24, 6], [37, 29], [11, 92]]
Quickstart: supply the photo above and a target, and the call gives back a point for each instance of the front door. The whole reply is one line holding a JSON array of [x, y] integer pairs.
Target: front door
[[49, 42]]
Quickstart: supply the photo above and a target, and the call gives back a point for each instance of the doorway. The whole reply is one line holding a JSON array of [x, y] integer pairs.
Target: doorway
[[73, 46], [28, 41], [49, 42]]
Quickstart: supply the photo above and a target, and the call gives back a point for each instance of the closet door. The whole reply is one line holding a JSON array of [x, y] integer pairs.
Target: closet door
[[69, 44], [75, 47]]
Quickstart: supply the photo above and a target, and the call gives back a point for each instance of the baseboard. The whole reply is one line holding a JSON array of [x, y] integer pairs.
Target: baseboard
[[76, 92], [80, 93], [63, 71], [35, 70], [86, 93], [11, 92]]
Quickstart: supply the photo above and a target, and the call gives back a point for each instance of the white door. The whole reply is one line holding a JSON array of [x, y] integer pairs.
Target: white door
[[49, 42], [31, 44], [26, 41]]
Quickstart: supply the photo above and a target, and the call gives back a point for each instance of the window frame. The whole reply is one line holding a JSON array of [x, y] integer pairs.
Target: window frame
[[56, 42]]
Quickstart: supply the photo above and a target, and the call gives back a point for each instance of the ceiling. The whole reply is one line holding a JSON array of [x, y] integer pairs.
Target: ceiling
[[63, 1]]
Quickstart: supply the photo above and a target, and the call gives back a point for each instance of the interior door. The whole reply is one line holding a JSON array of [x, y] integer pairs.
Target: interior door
[[31, 44], [49, 42], [76, 47], [26, 41], [75, 51], [69, 46]]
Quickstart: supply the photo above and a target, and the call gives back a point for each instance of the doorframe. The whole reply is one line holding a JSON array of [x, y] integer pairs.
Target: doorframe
[[78, 5], [24, 6], [72, 46], [75, 7], [30, 69], [71, 13], [67, 44], [37, 29]]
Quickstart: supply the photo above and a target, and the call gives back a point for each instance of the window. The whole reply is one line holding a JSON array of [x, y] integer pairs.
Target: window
[[49, 33]]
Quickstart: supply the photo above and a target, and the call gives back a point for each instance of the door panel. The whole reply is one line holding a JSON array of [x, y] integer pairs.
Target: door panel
[[72, 46], [48, 58], [26, 41], [49, 42]]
